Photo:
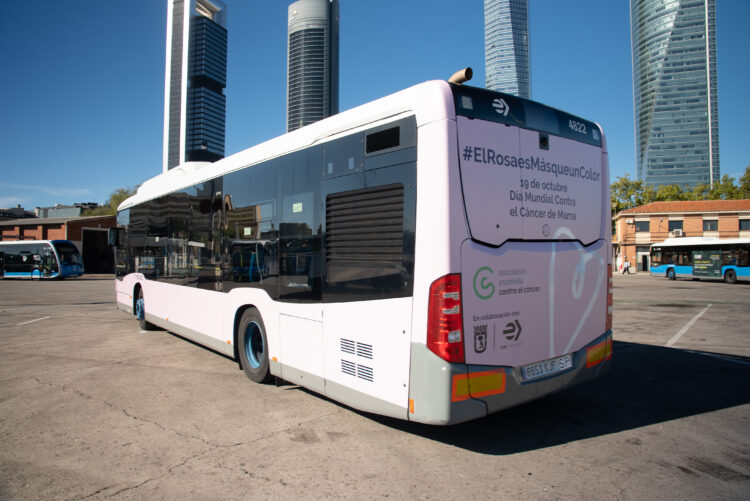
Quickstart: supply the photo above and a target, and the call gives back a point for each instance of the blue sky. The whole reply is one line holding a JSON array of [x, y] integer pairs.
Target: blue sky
[[82, 91]]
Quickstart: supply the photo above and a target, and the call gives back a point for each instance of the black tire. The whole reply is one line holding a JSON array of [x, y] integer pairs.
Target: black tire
[[671, 275], [141, 316], [730, 277], [252, 346]]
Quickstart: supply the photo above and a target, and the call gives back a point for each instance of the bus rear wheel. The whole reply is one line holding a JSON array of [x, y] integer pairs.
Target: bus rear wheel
[[671, 275], [730, 277], [252, 345]]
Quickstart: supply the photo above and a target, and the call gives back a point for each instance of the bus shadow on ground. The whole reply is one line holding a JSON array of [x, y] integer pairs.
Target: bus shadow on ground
[[647, 385]]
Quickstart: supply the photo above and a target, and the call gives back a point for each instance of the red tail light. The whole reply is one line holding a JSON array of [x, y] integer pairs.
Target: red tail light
[[444, 320], [609, 297]]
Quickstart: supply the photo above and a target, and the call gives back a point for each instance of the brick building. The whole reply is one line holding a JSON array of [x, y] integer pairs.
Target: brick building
[[637, 228], [89, 234]]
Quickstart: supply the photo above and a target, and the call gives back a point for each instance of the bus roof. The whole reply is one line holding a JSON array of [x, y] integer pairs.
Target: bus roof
[[696, 241], [26, 242], [428, 101]]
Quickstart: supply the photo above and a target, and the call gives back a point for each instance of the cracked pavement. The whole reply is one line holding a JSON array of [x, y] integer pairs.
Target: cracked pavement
[[93, 408]]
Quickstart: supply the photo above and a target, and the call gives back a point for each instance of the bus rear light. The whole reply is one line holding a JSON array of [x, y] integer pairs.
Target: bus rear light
[[444, 319], [610, 295]]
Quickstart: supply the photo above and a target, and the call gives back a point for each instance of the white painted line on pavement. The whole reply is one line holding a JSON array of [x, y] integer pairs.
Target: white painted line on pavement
[[32, 321], [687, 326]]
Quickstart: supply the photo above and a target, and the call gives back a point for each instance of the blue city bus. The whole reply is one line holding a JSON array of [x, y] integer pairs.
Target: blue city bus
[[40, 259], [702, 257]]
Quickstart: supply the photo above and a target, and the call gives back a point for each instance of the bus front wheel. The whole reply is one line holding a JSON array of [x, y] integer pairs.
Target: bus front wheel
[[730, 277], [140, 311], [671, 275], [252, 345]]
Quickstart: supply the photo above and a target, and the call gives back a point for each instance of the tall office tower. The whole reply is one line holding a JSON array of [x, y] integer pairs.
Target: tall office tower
[[313, 62], [506, 46], [674, 89], [196, 74]]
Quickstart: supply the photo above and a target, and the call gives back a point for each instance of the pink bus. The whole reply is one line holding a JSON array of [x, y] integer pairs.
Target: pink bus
[[436, 255]]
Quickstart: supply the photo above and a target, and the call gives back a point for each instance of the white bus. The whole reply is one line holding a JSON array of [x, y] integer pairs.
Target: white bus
[[436, 255]]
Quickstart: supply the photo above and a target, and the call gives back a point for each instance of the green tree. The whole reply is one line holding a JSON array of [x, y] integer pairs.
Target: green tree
[[626, 193], [700, 192], [671, 192], [119, 195], [744, 189], [115, 199], [724, 189], [102, 210]]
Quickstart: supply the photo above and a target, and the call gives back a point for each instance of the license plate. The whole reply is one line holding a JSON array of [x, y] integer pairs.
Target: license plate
[[546, 367]]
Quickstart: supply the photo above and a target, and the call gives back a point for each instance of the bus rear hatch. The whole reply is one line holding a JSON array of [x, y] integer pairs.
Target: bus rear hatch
[[534, 274]]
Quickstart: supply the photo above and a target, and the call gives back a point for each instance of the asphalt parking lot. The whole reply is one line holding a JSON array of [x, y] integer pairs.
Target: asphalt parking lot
[[92, 408]]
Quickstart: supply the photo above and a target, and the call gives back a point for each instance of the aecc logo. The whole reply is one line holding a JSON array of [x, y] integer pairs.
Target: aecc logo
[[483, 286]]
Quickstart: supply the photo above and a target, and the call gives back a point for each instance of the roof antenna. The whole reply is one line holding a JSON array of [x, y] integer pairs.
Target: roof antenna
[[461, 76]]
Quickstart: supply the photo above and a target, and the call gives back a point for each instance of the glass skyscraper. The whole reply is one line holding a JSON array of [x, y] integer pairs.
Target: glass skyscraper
[[506, 46], [313, 62], [196, 74], [674, 89]]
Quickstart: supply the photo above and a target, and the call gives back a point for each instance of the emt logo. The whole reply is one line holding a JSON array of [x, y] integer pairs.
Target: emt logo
[[501, 106]]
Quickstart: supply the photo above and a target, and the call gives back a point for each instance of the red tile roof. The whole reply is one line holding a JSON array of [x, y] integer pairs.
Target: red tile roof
[[693, 206]]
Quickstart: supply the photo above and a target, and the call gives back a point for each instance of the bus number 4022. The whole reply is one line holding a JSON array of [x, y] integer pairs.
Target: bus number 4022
[[577, 126]]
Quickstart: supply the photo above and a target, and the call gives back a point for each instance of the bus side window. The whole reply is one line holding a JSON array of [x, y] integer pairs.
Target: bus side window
[[299, 248], [666, 257], [299, 227], [656, 258], [686, 258], [343, 157], [156, 240], [728, 257], [177, 248], [743, 257], [250, 245]]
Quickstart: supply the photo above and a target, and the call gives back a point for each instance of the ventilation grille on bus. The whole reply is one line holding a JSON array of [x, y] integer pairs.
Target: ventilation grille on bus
[[364, 373], [348, 367], [383, 140], [364, 350], [357, 349], [364, 228], [348, 346]]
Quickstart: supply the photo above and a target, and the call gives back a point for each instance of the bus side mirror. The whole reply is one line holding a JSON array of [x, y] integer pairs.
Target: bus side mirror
[[116, 237]]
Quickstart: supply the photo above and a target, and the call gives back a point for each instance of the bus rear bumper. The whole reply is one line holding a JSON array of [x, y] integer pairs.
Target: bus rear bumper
[[444, 393], [589, 363]]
